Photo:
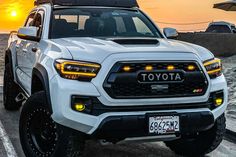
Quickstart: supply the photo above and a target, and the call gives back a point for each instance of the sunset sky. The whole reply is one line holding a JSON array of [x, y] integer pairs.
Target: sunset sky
[[14, 12]]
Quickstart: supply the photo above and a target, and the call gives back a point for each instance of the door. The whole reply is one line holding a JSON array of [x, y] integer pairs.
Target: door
[[31, 50], [32, 47], [21, 54]]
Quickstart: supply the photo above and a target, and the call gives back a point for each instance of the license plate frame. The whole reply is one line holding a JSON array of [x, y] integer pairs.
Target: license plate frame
[[165, 117]]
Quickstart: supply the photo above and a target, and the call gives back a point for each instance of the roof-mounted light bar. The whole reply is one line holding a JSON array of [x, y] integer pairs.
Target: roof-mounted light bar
[[106, 3]]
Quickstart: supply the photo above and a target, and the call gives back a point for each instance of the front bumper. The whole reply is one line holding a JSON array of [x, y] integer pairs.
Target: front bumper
[[122, 127], [62, 90]]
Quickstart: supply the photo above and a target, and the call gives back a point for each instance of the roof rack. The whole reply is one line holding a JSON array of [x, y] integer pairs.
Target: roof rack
[[106, 3]]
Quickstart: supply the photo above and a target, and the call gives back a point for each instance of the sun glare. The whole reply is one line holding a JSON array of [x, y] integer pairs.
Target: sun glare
[[13, 13]]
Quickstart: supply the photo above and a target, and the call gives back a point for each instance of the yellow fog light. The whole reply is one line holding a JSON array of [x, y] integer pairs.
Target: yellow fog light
[[218, 101], [126, 68], [191, 67], [149, 68], [170, 67], [79, 107]]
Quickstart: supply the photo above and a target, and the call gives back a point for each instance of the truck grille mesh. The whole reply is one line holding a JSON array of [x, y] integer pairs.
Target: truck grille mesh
[[124, 85]]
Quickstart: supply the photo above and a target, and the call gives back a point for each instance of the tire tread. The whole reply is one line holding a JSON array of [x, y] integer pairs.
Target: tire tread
[[70, 142], [202, 144]]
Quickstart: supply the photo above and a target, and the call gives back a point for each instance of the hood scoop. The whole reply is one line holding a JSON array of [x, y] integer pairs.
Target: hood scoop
[[134, 41]]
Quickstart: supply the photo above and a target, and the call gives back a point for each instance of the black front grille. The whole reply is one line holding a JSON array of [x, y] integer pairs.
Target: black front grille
[[121, 84]]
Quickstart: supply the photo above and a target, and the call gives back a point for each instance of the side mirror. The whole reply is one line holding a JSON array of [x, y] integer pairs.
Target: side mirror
[[170, 33], [28, 33]]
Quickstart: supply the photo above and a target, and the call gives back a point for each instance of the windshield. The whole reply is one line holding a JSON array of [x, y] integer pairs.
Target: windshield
[[101, 22]]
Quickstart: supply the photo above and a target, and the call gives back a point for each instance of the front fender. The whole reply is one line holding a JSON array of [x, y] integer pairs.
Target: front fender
[[41, 73]]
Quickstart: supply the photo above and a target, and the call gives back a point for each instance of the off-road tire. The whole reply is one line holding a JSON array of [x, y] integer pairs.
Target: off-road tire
[[53, 140], [202, 144], [10, 90]]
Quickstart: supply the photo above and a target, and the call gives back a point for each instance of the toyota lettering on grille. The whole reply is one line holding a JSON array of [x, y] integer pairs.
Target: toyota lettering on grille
[[163, 76]]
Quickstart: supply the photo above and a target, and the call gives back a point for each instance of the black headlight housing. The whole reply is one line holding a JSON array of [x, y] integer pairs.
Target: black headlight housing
[[77, 70], [213, 68]]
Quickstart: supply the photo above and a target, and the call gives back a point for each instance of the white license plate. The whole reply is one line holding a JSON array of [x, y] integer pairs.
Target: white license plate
[[164, 125]]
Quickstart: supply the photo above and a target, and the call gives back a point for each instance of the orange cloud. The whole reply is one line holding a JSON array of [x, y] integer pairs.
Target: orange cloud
[[13, 13], [185, 11]]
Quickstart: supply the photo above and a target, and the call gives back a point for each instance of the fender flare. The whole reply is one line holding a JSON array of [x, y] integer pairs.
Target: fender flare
[[11, 61], [8, 54], [42, 74]]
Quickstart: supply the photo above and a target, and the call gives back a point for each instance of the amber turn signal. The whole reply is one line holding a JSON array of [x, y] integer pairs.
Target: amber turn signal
[[149, 68], [126, 68], [170, 67], [191, 67]]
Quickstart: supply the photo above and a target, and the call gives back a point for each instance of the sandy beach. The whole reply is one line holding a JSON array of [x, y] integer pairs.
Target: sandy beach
[[230, 74], [3, 45]]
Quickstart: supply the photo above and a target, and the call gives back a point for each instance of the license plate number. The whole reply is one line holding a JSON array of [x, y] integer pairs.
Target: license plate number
[[162, 125]]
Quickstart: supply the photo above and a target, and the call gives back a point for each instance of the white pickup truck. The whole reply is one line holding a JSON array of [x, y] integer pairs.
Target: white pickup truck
[[102, 70]]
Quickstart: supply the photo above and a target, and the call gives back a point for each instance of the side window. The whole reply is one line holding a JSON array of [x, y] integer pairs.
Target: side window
[[38, 22], [30, 20], [141, 27]]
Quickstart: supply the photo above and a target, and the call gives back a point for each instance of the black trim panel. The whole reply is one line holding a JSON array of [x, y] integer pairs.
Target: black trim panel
[[121, 127], [95, 107], [42, 74]]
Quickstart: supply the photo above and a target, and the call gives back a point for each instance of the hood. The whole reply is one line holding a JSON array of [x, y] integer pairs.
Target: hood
[[96, 50]]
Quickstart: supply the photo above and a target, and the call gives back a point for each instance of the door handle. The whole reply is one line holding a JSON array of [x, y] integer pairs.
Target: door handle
[[34, 49]]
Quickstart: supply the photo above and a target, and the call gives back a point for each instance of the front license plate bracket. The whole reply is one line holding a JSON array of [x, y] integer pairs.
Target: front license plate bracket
[[163, 124]]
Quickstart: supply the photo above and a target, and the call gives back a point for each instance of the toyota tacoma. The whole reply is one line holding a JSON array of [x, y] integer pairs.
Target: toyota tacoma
[[102, 70]]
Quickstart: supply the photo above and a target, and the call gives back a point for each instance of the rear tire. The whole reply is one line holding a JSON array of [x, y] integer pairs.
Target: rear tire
[[203, 144], [42, 137], [10, 90]]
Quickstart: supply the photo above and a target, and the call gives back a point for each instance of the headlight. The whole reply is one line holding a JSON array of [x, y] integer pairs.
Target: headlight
[[75, 70], [214, 68]]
